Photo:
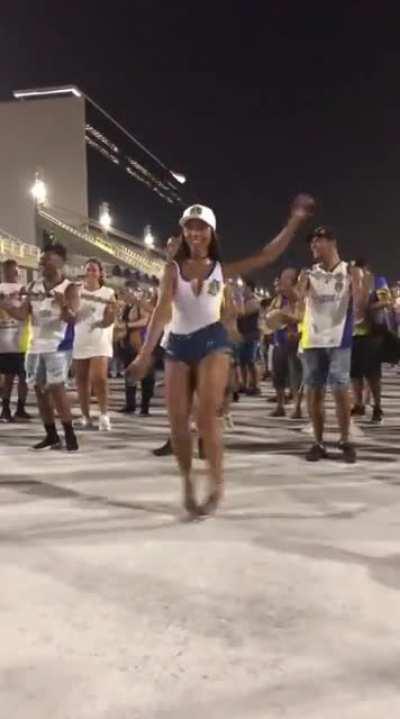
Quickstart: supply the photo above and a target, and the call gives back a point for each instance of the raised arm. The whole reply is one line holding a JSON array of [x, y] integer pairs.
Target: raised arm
[[302, 208]]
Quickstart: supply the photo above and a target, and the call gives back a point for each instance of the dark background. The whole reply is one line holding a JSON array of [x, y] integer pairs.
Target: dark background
[[252, 101]]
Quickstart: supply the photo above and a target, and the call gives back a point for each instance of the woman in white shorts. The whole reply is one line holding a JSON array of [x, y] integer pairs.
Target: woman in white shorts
[[93, 344]]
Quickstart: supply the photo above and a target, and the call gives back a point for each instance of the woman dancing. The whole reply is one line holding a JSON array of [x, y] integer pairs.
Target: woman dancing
[[197, 353]]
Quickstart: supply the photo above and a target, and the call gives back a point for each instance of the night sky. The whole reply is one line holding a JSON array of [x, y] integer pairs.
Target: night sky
[[253, 103]]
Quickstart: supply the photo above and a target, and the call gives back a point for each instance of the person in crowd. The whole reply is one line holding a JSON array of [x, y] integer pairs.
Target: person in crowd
[[197, 353], [115, 367], [248, 327], [330, 291], [137, 315], [50, 306], [286, 364], [93, 343], [366, 358], [14, 343], [266, 334], [229, 316]]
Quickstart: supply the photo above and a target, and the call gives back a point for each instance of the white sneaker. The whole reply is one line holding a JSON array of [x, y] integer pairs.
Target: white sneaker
[[104, 423]]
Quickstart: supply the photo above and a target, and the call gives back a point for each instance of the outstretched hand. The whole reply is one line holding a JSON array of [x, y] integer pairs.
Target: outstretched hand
[[303, 206], [139, 368]]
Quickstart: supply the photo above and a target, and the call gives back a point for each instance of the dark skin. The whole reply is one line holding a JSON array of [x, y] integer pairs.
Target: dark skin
[[11, 275], [212, 372], [53, 396]]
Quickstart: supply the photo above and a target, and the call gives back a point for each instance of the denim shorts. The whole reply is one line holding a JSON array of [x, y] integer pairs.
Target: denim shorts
[[248, 352], [326, 366], [192, 348], [46, 369]]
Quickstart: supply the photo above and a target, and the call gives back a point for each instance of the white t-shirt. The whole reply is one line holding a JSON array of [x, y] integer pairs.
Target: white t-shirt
[[14, 334], [93, 341], [47, 326], [192, 311], [328, 317]]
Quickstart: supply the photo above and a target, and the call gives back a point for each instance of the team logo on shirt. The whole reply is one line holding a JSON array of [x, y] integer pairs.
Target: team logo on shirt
[[339, 283], [214, 287]]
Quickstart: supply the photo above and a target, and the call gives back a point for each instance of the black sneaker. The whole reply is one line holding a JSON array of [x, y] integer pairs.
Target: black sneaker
[[5, 415], [144, 412], [164, 451], [22, 415], [127, 410], [236, 396], [377, 416], [358, 410], [316, 452], [71, 442], [349, 452], [48, 443]]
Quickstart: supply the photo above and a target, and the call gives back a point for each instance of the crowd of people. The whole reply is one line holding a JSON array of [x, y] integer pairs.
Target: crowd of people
[[331, 325]]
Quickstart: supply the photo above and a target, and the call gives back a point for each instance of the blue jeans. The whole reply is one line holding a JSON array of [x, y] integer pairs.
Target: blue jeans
[[326, 366]]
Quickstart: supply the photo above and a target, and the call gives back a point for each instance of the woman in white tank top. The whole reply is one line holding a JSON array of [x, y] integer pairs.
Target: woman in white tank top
[[93, 343], [197, 348]]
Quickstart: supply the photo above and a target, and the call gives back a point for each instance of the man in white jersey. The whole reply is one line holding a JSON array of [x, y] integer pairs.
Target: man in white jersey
[[50, 308], [14, 339], [332, 292]]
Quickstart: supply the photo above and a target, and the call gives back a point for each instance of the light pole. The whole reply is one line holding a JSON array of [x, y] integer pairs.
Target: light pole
[[39, 194], [105, 218], [149, 240]]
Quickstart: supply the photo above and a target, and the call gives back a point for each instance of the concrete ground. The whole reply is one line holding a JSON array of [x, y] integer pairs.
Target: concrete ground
[[285, 605]]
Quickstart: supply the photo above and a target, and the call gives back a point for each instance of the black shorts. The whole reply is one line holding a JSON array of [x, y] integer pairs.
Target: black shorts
[[366, 357], [12, 363], [287, 369]]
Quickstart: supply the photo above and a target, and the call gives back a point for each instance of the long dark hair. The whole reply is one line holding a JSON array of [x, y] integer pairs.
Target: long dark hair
[[94, 261], [214, 251]]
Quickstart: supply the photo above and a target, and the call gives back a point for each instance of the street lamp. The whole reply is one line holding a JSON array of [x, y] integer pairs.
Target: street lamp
[[105, 217], [148, 238], [179, 177], [39, 190]]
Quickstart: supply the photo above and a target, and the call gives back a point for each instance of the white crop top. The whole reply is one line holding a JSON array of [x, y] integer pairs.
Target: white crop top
[[192, 312]]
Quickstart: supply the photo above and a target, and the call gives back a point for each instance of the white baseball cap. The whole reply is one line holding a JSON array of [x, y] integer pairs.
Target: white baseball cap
[[199, 212]]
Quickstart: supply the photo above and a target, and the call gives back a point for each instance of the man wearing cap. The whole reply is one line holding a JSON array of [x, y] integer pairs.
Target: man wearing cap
[[333, 292]]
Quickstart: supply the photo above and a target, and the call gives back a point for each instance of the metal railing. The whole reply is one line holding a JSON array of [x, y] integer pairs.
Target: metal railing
[[15, 249], [133, 258]]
